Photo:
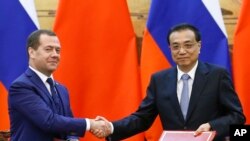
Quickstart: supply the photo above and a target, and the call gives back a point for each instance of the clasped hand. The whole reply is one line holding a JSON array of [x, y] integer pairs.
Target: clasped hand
[[100, 127]]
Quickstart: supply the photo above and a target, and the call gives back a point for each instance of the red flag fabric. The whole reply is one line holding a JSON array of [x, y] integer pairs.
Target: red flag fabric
[[4, 117], [241, 65], [152, 60], [99, 59]]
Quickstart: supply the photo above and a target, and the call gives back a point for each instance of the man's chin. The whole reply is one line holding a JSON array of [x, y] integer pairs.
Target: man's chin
[[52, 69], [183, 63]]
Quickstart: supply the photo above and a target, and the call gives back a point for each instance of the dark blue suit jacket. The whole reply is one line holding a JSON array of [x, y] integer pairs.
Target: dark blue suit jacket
[[32, 112], [212, 100]]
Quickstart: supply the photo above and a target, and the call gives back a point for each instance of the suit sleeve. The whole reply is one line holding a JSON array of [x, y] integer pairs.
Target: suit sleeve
[[230, 106], [138, 121]]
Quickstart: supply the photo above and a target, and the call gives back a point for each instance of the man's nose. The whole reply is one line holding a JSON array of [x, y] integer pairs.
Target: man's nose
[[182, 50], [55, 52]]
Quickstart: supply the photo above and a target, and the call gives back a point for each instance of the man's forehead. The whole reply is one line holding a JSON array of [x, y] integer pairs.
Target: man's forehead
[[49, 37], [182, 34]]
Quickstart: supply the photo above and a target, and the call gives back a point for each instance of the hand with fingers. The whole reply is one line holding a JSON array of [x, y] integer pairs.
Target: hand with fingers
[[202, 128], [100, 127]]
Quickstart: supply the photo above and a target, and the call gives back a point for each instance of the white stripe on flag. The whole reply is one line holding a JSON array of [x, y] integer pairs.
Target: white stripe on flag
[[29, 6], [213, 6]]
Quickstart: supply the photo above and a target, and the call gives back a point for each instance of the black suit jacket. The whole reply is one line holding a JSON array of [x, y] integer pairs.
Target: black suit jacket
[[212, 100]]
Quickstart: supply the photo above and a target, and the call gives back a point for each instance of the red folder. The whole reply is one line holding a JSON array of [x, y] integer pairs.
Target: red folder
[[186, 136]]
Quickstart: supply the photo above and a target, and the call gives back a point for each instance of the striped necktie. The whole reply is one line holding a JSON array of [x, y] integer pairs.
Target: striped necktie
[[55, 96]]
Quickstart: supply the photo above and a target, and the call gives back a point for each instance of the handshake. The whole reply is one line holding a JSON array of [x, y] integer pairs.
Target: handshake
[[100, 127]]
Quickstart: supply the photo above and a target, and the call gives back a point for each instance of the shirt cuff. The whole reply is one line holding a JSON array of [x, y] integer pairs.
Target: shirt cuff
[[87, 124], [112, 127]]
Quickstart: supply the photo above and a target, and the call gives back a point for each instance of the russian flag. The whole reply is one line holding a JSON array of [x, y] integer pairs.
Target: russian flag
[[18, 20], [204, 14]]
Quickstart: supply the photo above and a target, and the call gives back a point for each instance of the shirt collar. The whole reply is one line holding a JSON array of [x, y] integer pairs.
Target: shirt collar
[[41, 75], [191, 73]]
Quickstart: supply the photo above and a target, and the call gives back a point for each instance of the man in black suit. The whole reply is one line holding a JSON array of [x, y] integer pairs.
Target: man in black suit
[[211, 104]]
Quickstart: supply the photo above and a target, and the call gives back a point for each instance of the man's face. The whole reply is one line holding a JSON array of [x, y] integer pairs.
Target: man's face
[[47, 56], [185, 49]]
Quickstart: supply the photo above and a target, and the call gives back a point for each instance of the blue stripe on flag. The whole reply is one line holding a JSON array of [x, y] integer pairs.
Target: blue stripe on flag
[[167, 13], [15, 26]]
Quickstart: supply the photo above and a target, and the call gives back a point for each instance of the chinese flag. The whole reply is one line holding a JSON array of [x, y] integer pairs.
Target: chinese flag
[[241, 65], [99, 59], [4, 117]]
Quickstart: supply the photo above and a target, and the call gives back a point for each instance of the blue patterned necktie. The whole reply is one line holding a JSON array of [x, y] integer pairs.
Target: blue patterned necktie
[[54, 94], [184, 101]]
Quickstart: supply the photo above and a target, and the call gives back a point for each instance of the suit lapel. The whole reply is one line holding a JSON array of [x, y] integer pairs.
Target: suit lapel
[[38, 82], [198, 85]]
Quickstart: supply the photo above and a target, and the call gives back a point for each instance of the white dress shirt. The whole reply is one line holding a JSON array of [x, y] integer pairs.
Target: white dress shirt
[[191, 73]]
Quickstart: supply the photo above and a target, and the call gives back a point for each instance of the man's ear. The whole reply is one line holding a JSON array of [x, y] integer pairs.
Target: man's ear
[[31, 52], [199, 44]]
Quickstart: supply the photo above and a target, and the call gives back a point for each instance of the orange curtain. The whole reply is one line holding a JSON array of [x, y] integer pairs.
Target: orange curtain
[[99, 62], [241, 64]]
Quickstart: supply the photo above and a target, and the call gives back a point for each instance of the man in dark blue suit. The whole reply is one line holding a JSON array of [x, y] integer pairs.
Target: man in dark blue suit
[[210, 103], [39, 107]]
